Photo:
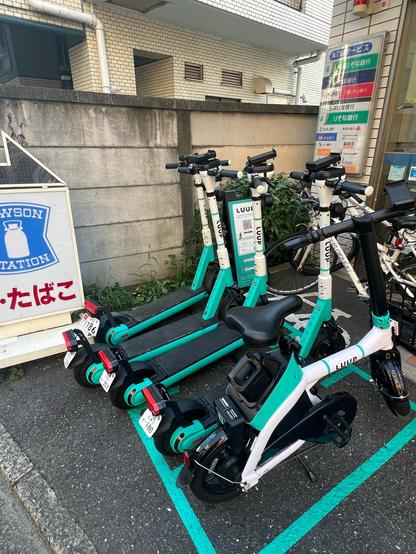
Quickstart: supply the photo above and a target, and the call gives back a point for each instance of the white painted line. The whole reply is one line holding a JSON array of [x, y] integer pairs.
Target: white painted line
[[55, 523]]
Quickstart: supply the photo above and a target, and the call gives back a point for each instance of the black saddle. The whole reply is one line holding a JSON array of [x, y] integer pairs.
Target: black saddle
[[404, 222], [260, 326]]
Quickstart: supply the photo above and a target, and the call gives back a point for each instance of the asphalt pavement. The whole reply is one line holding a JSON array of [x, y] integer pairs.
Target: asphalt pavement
[[90, 481]]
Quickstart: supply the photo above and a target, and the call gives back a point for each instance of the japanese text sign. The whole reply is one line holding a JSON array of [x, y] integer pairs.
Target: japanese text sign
[[348, 94], [39, 267]]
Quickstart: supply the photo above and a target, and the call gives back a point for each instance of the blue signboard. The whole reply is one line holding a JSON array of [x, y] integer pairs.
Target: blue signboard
[[24, 244]]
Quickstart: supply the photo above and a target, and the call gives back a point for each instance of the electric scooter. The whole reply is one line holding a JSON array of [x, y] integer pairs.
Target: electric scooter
[[84, 359], [124, 370], [117, 327], [270, 411], [181, 425]]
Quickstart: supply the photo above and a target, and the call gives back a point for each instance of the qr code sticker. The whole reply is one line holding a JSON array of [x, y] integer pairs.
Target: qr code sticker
[[247, 225]]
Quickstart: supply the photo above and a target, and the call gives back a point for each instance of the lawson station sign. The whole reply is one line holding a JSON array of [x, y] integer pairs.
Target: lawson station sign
[[39, 268]]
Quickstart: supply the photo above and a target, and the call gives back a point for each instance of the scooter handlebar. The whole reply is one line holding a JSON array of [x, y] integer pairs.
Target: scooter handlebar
[[261, 158], [353, 188], [231, 173], [297, 175], [261, 168], [172, 165]]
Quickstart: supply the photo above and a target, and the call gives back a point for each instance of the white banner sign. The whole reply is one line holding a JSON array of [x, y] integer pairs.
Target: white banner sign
[[348, 94], [39, 268]]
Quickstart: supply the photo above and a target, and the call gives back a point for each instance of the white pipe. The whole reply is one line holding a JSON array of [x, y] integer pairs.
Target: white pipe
[[298, 65], [91, 20]]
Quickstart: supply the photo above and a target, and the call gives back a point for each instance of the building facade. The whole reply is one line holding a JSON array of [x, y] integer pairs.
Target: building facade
[[234, 50], [391, 152]]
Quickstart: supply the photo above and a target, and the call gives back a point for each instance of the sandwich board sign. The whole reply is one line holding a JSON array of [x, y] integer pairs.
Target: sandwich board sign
[[349, 91], [40, 280]]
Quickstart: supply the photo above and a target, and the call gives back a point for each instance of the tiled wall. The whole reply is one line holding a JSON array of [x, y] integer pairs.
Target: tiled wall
[[127, 31], [346, 26]]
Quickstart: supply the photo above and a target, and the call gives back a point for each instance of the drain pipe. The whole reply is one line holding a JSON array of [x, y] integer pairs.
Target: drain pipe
[[297, 64], [89, 19]]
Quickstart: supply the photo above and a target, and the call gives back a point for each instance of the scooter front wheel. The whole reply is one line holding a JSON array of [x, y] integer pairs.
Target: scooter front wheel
[[219, 478]]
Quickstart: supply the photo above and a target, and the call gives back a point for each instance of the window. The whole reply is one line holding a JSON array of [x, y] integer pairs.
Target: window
[[6, 64], [194, 72], [221, 99], [296, 4], [232, 78]]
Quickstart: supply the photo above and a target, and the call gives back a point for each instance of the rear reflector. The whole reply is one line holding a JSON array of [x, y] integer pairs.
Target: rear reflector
[[154, 401], [70, 340], [110, 363], [91, 307]]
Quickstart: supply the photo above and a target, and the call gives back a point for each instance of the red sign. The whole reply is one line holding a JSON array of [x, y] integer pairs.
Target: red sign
[[351, 92]]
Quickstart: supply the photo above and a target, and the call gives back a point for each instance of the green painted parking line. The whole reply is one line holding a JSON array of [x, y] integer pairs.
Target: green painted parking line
[[189, 519], [316, 513], [309, 519]]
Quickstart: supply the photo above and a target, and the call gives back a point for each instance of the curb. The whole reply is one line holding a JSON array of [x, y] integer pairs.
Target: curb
[[55, 524]]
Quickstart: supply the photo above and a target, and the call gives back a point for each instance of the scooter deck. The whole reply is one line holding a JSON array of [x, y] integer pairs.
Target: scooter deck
[[145, 312], [200, 349], [165, 334]]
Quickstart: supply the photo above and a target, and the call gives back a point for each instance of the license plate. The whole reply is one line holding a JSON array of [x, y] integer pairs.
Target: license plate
[[106, 380], [149, 422], [69, 356], [90, 324]]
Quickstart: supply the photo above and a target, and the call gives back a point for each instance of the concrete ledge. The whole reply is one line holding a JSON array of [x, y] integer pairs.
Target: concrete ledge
[[16, 92], [52, 519]]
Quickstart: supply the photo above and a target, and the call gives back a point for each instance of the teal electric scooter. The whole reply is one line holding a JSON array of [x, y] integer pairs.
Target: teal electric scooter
[[89, 366], [129, 377], [117, 327]]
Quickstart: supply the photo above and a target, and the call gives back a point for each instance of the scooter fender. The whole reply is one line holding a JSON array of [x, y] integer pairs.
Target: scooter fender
[[216, 438], [83, 357], [197, 456]]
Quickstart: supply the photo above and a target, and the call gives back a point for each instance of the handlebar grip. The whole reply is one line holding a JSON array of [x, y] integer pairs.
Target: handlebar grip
[[297, 175], [231, 173], [171, 165], [260, 158], [225, 162], [357, 188], [187, 170], [311, 237]]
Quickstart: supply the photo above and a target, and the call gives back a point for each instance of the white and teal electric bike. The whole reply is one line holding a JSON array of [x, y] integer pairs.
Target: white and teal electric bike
[[270, 410]]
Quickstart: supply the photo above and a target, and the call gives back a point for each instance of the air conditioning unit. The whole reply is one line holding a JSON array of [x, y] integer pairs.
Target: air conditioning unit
[[263, 86]]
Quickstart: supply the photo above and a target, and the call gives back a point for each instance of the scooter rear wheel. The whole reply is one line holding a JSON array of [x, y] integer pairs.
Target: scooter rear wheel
[[207, 486], [80, 372]]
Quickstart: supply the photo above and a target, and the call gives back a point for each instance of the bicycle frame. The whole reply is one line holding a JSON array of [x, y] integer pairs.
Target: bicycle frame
[[295, 381]]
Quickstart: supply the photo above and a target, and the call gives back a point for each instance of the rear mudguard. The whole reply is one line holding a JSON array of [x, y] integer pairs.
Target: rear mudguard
[[216, 438], [83, 357], [388, 376]]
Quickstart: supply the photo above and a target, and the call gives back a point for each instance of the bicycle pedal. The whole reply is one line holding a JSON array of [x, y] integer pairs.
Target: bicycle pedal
[[338, 429]]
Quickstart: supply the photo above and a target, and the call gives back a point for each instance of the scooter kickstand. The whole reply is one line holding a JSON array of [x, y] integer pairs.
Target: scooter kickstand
[[308, 471]]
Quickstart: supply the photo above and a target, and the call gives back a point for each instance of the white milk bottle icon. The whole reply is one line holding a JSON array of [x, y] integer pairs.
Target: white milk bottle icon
[[15, 239]]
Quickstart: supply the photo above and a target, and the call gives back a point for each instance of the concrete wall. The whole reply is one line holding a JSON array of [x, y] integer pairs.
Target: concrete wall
[[130, 213]]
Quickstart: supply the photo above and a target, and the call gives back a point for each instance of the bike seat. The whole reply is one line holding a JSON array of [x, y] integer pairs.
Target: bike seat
[[404, 222], [260, 326]]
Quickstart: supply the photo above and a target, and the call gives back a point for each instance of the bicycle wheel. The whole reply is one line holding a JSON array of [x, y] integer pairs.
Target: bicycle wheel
[[286, 275], [296, 271]]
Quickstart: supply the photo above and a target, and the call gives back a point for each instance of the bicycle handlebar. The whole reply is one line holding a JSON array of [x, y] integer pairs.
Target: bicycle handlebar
[[314, 236], [353, 188]]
